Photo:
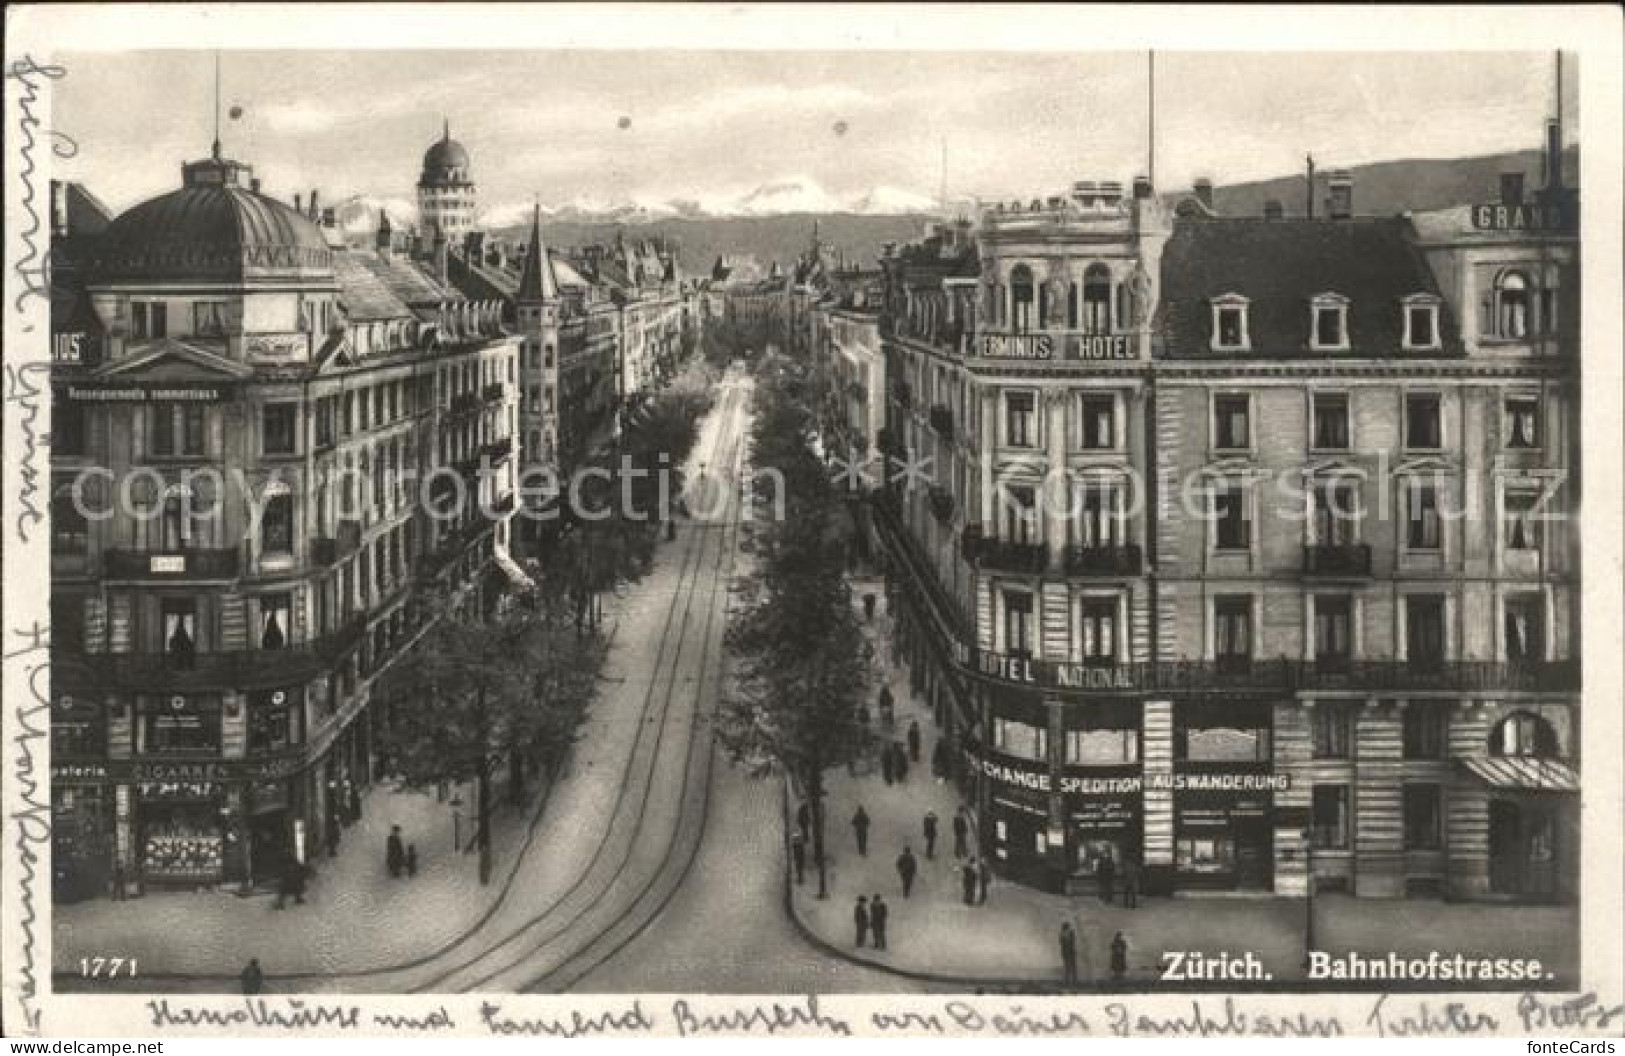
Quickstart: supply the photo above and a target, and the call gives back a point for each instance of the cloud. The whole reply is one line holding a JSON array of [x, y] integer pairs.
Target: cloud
[[303, 116]]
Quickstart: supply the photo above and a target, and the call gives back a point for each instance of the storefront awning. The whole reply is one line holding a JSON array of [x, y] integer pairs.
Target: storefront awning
[[1534, 775]]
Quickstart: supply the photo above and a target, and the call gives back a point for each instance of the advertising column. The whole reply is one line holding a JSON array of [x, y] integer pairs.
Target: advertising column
[[1158, 753]]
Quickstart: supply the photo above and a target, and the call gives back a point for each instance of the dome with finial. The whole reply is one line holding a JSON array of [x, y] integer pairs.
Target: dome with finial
[[446, 162]]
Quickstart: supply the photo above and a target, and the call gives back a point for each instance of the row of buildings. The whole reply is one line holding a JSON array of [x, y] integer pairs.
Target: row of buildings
[[273, 449], [1242, 547]]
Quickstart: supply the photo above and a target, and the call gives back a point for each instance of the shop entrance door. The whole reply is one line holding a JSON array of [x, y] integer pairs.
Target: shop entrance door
[[1523, 849], [1255, 853]]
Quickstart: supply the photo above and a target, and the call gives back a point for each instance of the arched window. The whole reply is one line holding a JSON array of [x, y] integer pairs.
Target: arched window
[[1512, 305], [1021, 298], [1097, 299], [1524, 734]]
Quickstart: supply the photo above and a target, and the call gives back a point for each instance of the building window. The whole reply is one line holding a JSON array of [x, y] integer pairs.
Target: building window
[[67, 428], [209, 318], [1020, 740], [1334, 513], [180, 725], [324, 422], [1103, 747], [1099, 431], [1525, 626], [1422, 522], [1424, 817], [1329, 730], [1097, 525], [1522, 421], [1426, 727], [1333, 628], [175, 429], [149, 320], [278, 427], [1330, 428], [1524, 734], [179, 626], [1423, 431], [1421, 323], [1424, 630], [273, 721], [1097, 629], [1207, 734], [1018, 623], [1097, 299], [1232, 530], [1019, 412], [275, 610], [1233, 631], [1020, 514], [1330, 331], [1522, 517], [70, 530], [1021, 298], [1231, 422], [1512, 306], [1330, 816], [276, 526], [78, 728]]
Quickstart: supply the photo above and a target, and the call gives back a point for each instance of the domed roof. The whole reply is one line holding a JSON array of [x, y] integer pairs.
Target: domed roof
[[446, 161], [213, 230]]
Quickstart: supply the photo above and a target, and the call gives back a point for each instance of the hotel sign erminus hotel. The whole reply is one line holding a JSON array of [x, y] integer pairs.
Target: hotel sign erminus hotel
[[1044, 346]]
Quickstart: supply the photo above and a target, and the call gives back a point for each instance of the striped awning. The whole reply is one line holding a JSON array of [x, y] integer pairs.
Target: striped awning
[[1535, 775]]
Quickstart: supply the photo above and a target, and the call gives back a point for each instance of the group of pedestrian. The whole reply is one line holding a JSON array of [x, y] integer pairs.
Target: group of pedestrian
[[869, 916], [974, 877], [1068, 940], [894, 763], [400, 858], [1108, 882]]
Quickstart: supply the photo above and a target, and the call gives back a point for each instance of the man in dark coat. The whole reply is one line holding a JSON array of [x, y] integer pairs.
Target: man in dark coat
[[394, 851], [252, 978], [333, 836], [860, 829], [967, 882], [1069, 953], [984, 876], [355, 803], [1119, 957], [914, 740], [804, 819], [291, 883], [887, 765], [1131, 882], [1106, 878], [878, 912], [899, 761], [907, 867], [798, 855], [886, 702], [860, 919], [930, 828], [961, 830], [939, 760]]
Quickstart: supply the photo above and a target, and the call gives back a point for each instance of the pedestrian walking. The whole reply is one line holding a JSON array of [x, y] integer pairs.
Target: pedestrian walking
[[887, 715], [860, 829], [411, 859], [860, 919], [961, 830], [984, 876], [899, 761], [1106, 878], [878, 912], [394, 851], [1069, 954], [887, 766], [930, 828], [1119, 957], [967, 882], [333, 836], [907, 867], [914, 740], [798, 856], [1131, 882], [804, 819], [253, 978], [939, 760], [290, 883]]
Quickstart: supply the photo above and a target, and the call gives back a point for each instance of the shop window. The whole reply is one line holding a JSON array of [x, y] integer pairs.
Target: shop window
[[275, 611], [1233, 631], [178, 623], [1423, 525], [1333, 625], [276, 526], [78, 728], [1020, 739], [275, 721], [1424, 817], [1214, 735], [1426, 730], [70, 530], [1021, 298], [1329, 730], [278, 428], [1231, 422], [1522, 421], [1232, 530], [1018, 623], [1197, 855], [180, 725], [1099, 431], [175, 429], [1097, 628], [1424, 630], [1423, 430], [1329, 809], [1019, 415], [1331, 421], [1524, 734], [1103, 747], [1097, 299], [1525, 628]]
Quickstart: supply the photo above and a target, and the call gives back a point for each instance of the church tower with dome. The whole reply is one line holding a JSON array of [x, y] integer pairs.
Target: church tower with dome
[[446, 189]]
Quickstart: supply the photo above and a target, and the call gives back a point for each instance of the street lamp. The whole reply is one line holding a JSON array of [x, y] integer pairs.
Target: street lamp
[[1309, 899]]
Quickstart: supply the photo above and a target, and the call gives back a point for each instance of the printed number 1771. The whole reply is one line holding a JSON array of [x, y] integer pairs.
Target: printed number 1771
[[107, 967]]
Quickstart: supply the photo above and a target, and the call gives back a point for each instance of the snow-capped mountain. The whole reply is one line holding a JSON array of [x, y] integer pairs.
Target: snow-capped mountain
[[788, 196], [893, 201], [775, 198]]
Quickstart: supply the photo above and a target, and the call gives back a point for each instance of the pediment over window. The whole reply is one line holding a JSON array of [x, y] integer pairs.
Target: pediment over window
[[1233, 468], [168, 357], [1427, 465], [338, 354], [1335, 467]]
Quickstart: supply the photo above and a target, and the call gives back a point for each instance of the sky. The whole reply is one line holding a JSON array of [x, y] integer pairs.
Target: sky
[[607, 127]]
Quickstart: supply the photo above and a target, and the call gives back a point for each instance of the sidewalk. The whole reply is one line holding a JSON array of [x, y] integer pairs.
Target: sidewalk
[[1013, 937]]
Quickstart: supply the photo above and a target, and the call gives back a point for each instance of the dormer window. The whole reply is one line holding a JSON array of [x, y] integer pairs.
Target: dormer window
[[1329, 323], [1421, 311], [1230, 323]]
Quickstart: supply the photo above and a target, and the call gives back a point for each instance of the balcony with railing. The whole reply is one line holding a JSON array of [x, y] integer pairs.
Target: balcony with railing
[[494, 392], [464, 403], [1337, 560], [1006, 555], [190, 669], [1120, 560], [329, 550], [1441, 675], [164, 565]]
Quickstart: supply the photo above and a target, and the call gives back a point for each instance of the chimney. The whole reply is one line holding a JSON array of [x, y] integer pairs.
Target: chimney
[[1511, 188], [1309, 183], [1204, 193], [1142, 187], [1554, 155], [1273, 210], [298, 202], [313, 213], [1340, 199], [254, 185]]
